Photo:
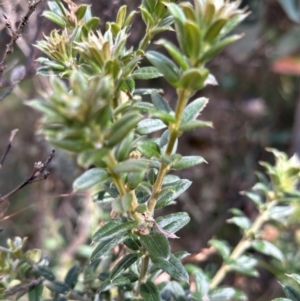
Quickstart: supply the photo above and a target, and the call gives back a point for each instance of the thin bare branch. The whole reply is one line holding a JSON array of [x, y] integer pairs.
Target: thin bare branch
[[25, 287], [16, 34], [11, 138], [38, 173]]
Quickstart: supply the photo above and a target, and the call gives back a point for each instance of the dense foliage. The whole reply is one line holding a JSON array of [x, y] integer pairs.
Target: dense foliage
[[95, 111]]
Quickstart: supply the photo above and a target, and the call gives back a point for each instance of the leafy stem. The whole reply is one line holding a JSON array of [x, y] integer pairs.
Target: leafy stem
[[118, 181], [143, 272], [183, 97], [243, 245]]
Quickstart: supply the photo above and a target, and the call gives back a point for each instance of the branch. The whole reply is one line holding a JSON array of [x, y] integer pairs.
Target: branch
[[25, 287], [16, 34], [11, 138], [39, 173]]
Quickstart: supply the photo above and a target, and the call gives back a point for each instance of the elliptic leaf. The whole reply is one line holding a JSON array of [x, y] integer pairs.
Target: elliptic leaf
[[227, 293], [122, 127], [188, 161], [156, 244], [172, 266], [90, 178], [267, 248], [105, 247], [113, 229], [193, 109], [35, 292], [148, 148], [242, 222], [146, 73], [147, 126], [173, 222], [221, 246], [165, 66], [150, 292], [159, 102], [131, 165], [291, 293], [124, 263]]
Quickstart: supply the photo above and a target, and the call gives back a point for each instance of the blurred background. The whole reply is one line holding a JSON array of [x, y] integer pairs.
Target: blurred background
[[255, 105]]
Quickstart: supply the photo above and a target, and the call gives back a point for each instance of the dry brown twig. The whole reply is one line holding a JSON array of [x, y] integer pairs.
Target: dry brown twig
[[16, 34], [25, 287], [38, 173]]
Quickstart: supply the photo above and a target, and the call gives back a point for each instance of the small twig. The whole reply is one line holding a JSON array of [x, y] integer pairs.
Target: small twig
[[11, 138], [25, 287], [16, 34], [39, 173]]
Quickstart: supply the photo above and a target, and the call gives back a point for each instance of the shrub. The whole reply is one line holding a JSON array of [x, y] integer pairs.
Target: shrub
[[95, 111]]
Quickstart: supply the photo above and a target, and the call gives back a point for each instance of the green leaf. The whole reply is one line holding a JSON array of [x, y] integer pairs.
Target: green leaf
[[227, 293], [176, 290], [105, 246], [126, 262], [244, 265], [132, 243], [242, 222], [54, 18], [57, 8], [122, 127], [159, 102], [193, 109], [121, 16], [123, 148], [175, 53], [93, 23], [148, 148], [147, 126], [194, 124], [296, 277], [214, 30], [171, 192], [173, 222], [188, 161], [122, 204], [193, 79], [131, 165], [46, 272], [72, 276], [202, 284], [156, 244], [142, 208], [90, 178], [112, 229], [35, 292], [146, 73], [291, 293], [91, 157], [165, 117], [134, 179], [267, 248], [192, 40], [172, 266], [121, 280], [280, 213], [255, 197], [147, 17], [73, 145], [80, 11], [58, 287], [221, 246], [282, 299], [165, 66], [150, 292], [215, 49]]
